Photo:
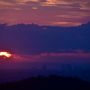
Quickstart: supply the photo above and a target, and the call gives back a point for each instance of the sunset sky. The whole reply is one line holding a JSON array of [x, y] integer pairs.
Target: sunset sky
[[45, 12], [45, 48]]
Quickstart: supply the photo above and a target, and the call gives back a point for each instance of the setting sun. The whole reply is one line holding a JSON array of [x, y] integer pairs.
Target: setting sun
[[5, 54]]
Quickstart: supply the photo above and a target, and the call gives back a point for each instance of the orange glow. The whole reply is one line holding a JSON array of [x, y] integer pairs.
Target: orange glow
[[5, 54]]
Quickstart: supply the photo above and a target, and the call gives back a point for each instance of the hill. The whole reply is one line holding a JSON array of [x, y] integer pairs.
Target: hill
[[47, 83]]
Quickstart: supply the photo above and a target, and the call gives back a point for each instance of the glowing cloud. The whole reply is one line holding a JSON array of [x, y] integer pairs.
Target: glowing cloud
[[66, 23], [5, 54]]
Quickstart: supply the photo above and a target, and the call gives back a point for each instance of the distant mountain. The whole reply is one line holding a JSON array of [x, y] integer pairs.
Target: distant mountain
[[86, 25], [47, 83], [33, 38], [38, 26]]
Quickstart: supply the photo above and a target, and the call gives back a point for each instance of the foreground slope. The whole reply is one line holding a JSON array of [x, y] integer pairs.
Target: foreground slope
[[47, 83]]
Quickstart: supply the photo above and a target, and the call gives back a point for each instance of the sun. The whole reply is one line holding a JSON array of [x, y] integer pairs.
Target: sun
[[5, 54]]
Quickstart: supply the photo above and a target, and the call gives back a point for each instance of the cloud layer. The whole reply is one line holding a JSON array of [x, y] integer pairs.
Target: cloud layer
[[45, 12]]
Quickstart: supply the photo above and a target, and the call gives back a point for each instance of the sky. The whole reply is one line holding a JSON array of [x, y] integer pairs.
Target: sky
[[36, 47], [45, 12], [67, 64]]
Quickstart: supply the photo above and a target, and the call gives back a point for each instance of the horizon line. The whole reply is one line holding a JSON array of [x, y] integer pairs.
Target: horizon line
[[35, 24]]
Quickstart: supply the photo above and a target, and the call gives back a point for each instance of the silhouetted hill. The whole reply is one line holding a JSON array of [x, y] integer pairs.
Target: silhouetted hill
[[47, 83]]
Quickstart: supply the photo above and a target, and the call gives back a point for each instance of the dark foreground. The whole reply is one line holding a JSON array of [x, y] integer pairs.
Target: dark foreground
[[47, 83]]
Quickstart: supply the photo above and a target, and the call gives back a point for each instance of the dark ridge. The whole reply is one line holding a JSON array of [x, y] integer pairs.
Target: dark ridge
[[47, 83], [22, 25]]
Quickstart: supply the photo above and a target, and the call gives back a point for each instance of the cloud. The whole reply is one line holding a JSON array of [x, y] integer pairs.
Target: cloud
[[26, 1], [63, 23], [82, 4], [54, 2], [81, 15], [62, 56], [4, 4], [52, 57], [73, 12], [85, 5]]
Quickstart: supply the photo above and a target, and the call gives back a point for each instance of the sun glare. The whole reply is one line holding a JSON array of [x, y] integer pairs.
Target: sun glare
[[5, 54]]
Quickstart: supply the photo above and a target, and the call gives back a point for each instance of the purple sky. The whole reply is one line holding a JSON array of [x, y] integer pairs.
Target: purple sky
[[45, 12]]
